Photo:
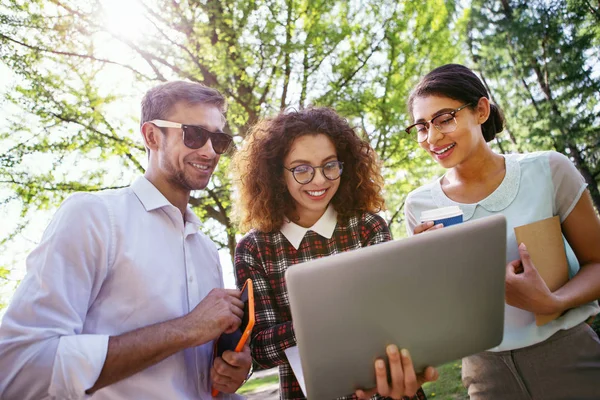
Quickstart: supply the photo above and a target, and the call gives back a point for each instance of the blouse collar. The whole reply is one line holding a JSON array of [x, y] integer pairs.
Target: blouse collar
[[324, 227], [498, 200]]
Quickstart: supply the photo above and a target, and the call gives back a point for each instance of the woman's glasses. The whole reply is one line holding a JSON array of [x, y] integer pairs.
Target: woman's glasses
[[195, 136], [305, 173], [445, 123]]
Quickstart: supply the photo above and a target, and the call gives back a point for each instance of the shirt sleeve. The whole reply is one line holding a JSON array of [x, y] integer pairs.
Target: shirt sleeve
[[375, 230], [270, 336], [43, 351], [568, 183], [409, 217]]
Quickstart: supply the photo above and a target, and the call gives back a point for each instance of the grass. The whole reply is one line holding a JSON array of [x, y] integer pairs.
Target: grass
[[447, 387], [254, 384]]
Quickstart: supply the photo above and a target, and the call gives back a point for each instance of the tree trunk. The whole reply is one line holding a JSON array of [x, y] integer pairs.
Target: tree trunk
[[287, 57], [231, 244], [587, 175]]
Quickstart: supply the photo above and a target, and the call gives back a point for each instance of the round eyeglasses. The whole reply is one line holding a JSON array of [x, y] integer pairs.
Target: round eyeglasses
[[305, 173], [444, 122]]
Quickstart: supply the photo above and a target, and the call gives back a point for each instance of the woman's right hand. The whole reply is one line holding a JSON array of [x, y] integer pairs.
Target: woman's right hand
[[404, 380], [426, 227]]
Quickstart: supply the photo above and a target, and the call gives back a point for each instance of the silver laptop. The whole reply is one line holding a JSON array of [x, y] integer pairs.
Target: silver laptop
[[439, 294]]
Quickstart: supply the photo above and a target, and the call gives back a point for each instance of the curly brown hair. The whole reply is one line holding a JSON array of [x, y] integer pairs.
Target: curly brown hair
[[262, 198]]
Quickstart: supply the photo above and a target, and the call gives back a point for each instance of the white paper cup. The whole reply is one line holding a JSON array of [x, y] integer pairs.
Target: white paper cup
[[447, 216]]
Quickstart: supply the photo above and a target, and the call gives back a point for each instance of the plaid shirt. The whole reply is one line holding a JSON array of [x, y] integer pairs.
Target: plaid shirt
[[264, 257]]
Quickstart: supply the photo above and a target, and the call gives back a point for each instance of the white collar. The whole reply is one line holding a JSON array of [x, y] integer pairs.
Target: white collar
[[151, 198], [325, 226], [497, 201]]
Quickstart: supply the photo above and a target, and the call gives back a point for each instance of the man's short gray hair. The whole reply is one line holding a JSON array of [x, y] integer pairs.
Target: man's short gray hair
[[159, 101]]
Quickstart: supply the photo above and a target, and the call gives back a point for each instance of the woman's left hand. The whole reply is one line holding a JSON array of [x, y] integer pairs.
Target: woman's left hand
[[526, 289], [405, 382]]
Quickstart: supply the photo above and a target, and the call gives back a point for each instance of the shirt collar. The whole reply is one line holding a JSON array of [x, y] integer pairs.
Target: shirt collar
[[325, 227], [498, 200], [152, 199]]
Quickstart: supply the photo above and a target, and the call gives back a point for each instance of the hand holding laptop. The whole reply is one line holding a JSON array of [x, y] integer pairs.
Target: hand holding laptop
[[404, 380]]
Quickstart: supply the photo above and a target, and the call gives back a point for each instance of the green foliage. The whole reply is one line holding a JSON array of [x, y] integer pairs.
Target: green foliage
[[540, 59], [4, 272], [254, 384], [264, 55]]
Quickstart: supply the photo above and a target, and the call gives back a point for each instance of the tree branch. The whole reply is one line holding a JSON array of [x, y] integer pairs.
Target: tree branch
[[71, 54], [61, 187], [393, 217]]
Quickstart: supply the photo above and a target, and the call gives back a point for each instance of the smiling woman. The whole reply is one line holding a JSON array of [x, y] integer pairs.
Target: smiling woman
[[533, 361], [309, 187]]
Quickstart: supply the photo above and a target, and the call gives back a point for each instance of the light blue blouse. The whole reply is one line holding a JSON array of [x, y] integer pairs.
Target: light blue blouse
[[536, 186]]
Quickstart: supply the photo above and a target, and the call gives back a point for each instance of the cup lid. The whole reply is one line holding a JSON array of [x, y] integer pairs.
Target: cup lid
[[441, 213]]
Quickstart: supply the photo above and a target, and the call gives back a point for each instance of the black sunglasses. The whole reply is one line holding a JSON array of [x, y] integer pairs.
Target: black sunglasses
[[196, 136]]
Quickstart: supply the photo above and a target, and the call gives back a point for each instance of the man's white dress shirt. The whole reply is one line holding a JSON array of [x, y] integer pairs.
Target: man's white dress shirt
[[108, 263]]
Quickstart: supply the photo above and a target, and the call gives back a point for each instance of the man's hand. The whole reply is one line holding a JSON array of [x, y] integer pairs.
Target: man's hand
[[426, 227], [228, 373], [405, 382], [221, 311], [526, 289]]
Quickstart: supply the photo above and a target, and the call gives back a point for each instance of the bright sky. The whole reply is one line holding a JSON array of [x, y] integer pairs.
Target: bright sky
[[123, 17]]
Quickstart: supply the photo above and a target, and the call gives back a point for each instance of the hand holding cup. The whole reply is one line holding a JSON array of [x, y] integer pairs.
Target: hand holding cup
[[439, 218]]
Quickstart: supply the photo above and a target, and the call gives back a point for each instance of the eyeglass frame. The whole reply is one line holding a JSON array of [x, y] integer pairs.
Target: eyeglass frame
[[340, 164], [170, 124], [430, 122]]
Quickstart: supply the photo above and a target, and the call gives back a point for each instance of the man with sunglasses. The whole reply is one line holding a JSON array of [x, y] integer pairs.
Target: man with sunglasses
[[124, 296]]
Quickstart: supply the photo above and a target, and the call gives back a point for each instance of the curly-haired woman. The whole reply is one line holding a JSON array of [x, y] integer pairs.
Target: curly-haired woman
[[308, 187]]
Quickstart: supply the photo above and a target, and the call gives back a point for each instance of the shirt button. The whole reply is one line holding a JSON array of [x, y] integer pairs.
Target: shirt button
[[191, 279]]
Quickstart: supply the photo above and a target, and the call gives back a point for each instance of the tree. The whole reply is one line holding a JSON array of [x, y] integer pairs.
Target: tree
[[541, 60], [264, 55], [417, 37]]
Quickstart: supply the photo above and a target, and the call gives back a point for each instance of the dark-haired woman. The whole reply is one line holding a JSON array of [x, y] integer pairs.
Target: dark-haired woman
[[308, 187], [453, 121]]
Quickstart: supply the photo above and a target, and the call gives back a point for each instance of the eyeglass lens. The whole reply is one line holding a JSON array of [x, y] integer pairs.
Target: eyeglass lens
[[445, 123], [305, 173]]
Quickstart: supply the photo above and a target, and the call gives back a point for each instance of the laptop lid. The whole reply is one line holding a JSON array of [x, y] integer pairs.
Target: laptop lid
[[439, 294]]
